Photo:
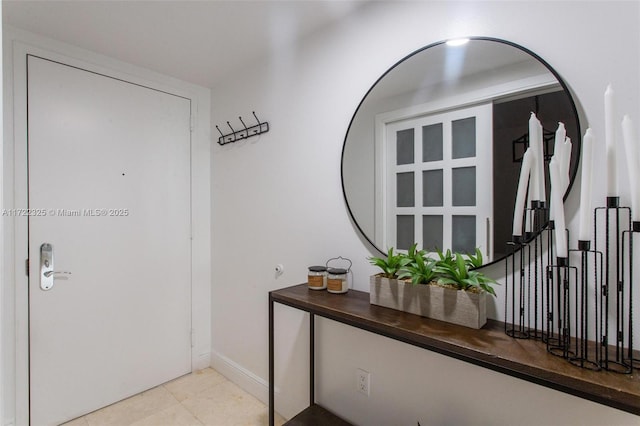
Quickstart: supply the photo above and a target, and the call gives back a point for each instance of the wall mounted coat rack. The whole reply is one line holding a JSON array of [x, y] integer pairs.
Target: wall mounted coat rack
[[236, 135]]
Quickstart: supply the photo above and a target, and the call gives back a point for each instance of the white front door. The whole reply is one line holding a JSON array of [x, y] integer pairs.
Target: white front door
[[439, 174], [109, 191]]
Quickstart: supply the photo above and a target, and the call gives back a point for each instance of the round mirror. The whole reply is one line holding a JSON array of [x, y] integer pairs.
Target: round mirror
[[433, 152]]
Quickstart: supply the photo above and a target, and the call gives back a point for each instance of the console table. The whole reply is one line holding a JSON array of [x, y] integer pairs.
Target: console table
[[488, 347]]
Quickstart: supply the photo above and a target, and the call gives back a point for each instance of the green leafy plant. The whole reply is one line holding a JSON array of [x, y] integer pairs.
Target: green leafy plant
[[475, 261], [455, 271], [392, 264], [446, 258], [449, 269], [421, 269], [413, 252]]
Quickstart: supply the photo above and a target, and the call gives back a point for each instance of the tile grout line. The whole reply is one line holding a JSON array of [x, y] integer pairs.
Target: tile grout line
[[186, 408], [194, 414], [155, 413], [188, 387]]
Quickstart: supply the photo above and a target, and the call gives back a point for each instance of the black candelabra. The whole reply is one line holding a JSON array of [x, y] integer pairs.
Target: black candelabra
[[524, 309], [583, 311], [631, 358], [560, 278], [615, 332], [585, 353]]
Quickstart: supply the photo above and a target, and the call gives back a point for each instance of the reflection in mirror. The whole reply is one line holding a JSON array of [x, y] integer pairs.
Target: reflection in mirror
[[433, 152]]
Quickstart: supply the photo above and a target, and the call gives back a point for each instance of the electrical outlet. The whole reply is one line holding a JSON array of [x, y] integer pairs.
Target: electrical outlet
[[363, 381]]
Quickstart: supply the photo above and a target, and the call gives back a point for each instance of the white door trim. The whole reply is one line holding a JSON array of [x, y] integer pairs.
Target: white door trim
[[16, 45], [512, 89]]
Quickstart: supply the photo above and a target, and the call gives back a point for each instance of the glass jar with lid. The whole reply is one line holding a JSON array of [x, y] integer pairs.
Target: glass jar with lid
[[337, 280], [317, 277]]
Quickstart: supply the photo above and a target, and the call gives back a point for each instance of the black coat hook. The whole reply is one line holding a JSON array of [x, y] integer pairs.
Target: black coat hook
[[261, 127], [229, 138], [246, 131]]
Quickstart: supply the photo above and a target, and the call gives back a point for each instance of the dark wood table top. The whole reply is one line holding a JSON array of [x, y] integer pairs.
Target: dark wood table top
[[488, 347]]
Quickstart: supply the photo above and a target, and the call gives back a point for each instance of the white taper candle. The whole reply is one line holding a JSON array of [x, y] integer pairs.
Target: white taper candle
[[542, 175], [528, 222], [558, 145], [609, 132], [556, 198], [633, 162], [586, 213], [534, 188], [521, 195], [566, 163]]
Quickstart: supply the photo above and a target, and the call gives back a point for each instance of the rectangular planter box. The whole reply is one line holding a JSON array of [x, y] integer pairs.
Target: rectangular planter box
[[445, 304]]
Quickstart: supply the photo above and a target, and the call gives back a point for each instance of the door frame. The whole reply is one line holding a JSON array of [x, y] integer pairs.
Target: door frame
[[17, 45], [512, 89], [482, 162]]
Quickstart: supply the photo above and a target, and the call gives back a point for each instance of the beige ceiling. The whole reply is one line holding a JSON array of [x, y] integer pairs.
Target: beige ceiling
[[196, 41]]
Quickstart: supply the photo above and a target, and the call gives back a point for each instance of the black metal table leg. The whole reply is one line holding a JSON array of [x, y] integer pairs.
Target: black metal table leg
[[312, 359], [271, 364]]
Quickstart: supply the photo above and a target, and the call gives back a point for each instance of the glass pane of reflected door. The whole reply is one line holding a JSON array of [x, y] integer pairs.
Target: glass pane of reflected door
[[432, 232], [463, 186], [405, 144], [405, 189], [406, 231], [432, 137], [433, 188], [463, 138], [463, 234]]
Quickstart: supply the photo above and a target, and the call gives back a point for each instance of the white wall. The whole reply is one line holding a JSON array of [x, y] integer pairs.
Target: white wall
[[4, 324], [277, 198]]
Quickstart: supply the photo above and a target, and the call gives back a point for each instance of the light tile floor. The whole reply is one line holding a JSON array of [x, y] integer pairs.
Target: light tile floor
[[201, 398]]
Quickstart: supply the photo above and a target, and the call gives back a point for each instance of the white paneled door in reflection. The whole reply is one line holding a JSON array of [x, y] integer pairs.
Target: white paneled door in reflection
[[439, 190], [109, 189]]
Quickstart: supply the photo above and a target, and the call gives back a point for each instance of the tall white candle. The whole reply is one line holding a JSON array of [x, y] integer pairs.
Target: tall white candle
[[556, 198], [558, 145], [534, 140], [528, 222], [566, 163], [534, 188], [633, 162], [609, 131], [562, 157], [586, 213], [552, 207], [521, 195], [542, 187]]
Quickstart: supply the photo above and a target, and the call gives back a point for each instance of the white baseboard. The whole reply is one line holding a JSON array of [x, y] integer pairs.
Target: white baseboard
[[242, 377], [201, 361]]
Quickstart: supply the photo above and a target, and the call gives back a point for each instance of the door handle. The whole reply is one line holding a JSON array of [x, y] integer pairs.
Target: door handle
[[47, 273]]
